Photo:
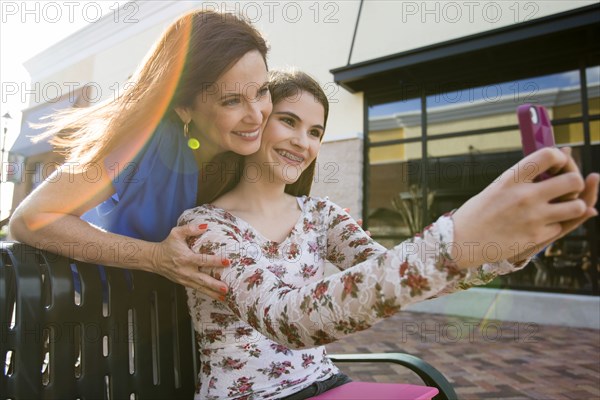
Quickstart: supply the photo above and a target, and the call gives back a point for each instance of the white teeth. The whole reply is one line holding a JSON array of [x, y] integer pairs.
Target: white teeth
[[290, 156], [247, 134]]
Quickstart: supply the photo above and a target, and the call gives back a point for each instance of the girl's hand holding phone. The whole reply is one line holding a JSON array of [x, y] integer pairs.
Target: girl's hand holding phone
[[517, 215], [536, 134]]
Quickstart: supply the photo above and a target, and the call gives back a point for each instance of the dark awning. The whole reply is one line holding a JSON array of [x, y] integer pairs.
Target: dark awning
[[23, 145], [556, 43]]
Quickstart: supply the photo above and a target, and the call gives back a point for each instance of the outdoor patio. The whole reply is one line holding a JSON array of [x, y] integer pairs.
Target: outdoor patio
[[484, 359]]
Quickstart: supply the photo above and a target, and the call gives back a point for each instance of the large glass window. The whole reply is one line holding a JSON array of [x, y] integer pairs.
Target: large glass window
[[450, 145], [394, 153]]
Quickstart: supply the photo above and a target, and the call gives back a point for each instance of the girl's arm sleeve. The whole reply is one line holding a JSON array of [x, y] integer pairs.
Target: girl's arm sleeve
[[340, 304], [348, 245]]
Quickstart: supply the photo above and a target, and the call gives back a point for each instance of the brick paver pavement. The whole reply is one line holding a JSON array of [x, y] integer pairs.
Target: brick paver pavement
[[484, 359]]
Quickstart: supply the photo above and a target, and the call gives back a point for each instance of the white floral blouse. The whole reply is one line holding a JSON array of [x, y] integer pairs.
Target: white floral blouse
[[266, 340]]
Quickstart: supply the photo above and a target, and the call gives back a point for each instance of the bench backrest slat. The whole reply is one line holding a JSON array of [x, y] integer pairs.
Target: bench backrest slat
[[84, 331]]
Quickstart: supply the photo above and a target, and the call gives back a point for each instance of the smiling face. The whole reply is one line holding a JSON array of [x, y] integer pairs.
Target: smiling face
[[292, 137], [230, 114]]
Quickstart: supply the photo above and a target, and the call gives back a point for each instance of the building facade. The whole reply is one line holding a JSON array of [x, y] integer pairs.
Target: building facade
[[423, 98]]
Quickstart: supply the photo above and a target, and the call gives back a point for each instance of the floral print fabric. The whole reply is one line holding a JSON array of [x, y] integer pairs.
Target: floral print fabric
[[266, 340]]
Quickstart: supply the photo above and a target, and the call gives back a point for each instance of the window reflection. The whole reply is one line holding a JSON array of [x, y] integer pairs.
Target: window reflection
[[471, 137]]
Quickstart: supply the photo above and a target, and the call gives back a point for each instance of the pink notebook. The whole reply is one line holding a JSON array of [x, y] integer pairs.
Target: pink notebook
[[378, 391]]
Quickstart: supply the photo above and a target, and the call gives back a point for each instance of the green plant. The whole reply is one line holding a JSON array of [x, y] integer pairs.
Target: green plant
[[409, 206]]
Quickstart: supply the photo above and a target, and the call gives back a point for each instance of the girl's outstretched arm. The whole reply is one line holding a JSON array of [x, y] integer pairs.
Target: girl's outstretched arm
[[383, 281]]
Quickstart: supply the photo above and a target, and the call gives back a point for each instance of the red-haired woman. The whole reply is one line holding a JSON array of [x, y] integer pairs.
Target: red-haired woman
[[201, 91]]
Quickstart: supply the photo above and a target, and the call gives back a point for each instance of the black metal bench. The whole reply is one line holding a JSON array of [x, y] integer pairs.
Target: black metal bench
[[75, 330]]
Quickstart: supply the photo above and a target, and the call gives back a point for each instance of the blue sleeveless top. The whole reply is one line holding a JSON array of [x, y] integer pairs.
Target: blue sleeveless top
[[152, 190]]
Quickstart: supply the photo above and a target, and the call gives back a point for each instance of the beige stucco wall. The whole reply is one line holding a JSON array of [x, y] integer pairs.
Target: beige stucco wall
[[389, 27], [59, 84], [109, 75]]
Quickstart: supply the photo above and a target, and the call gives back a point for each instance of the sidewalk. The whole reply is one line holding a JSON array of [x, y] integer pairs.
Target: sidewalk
[[484, 359]]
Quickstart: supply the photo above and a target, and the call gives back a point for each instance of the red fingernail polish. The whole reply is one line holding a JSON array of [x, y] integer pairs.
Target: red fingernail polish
[[202, 226], [225, 262], [222, 298], [223, 289]]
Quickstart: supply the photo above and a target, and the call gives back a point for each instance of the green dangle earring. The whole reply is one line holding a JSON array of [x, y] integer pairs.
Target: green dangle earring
[[192, 142]]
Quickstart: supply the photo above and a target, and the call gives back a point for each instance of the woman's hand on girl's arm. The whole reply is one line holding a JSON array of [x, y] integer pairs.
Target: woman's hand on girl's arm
[[173, 259]]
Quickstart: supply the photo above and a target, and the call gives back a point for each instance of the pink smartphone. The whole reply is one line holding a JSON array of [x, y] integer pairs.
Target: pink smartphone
[[536, 130]]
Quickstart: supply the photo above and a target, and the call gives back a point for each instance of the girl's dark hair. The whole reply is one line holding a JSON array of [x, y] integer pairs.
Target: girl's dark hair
[[227, 168], [291, 84]]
